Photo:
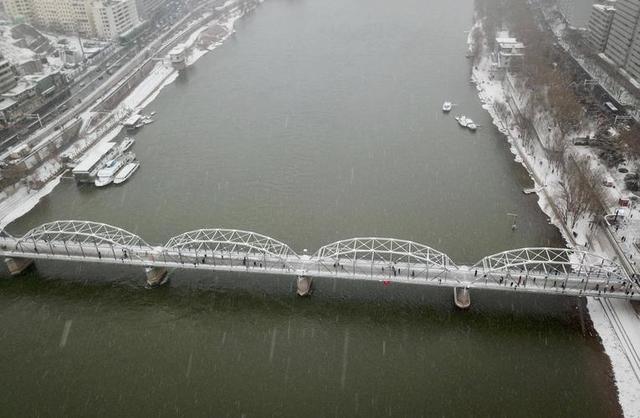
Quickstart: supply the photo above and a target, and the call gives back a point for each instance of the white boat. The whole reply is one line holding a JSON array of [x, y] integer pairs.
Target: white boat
[[471, 125], [152, 113], [126, 172], [126, 144], [462, 120], [132, 122], [446, 107], [102, 181], [105, 175]]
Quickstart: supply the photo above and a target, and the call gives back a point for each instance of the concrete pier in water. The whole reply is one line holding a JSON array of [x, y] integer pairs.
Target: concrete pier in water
[[17, 265]]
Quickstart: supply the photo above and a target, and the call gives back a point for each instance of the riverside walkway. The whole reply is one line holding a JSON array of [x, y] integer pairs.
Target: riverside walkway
[[557, 271]]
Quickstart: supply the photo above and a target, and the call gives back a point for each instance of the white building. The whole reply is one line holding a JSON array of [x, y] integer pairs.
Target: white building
[[69, 16], [146, 8], [509, 52], [18, 10], [113, 18], [600, 24], [623, 29], [105, 19], [7, 76], [178, 57]]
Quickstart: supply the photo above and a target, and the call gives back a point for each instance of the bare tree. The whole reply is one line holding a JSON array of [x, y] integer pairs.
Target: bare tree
[[573, 199], [631, 140]]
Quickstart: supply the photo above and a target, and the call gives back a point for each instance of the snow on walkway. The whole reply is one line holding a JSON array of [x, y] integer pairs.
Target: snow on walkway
[[23, 200], [616, 322]]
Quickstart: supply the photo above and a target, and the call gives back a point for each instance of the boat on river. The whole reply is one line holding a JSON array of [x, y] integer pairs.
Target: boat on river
[[465, 122], [462, 121], [471, 125], [133, 122], [446, 107], [106, 174], [126, 172], [126, 144]]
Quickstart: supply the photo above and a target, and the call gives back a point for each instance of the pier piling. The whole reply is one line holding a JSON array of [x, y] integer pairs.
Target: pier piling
[[17, 265]]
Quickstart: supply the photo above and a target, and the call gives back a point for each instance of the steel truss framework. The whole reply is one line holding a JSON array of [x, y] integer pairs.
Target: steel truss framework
[[353, 256], [230, 241], [385, 251], [551, 262], [82, 232]]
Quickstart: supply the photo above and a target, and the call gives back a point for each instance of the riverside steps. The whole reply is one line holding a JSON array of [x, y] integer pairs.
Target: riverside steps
[[556, 271]]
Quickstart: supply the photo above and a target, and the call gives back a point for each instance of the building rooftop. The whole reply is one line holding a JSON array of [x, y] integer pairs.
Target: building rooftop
[[6, 103], [503, 37], [22, 86], [92, 157], [604, 7], [511, 45], [132, 120]]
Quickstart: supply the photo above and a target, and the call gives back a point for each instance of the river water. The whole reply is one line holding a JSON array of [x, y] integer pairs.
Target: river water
[[317, 121]]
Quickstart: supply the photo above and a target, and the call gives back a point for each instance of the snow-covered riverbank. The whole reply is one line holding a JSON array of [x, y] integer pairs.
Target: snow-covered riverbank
[[616, 322], [163, 74]]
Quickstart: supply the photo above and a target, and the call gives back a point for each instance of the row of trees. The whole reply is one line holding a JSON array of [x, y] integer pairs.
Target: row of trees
[[551, 105]]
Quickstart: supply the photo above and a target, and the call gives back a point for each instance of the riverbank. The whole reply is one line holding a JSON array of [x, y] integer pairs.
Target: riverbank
[[620, 339], [162, 75]]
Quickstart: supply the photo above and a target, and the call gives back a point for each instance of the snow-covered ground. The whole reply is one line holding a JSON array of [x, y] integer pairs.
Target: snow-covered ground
[[12, 52], [10, 49], [616, 322], [163, 74], [23, 201]]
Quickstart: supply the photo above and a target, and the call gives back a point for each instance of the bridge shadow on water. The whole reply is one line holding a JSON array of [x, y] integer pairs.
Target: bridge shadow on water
[[59, 278], [199, 310]]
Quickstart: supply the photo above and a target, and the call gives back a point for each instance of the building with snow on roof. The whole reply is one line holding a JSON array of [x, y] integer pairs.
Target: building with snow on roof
[[509, 53]]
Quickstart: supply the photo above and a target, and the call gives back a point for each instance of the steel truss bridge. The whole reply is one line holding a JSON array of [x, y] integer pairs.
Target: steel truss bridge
[[556, 271]]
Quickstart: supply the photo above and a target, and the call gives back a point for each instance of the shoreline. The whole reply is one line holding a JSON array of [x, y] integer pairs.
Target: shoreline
[[149, 89], [625, 378], [161, 76]]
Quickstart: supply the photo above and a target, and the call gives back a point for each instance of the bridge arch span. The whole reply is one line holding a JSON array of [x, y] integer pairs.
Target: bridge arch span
[[82, 232], [231, 241], [549, 262], [387, 251]]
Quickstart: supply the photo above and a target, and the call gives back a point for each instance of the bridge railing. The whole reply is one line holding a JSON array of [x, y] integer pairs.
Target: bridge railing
[[557, 268], [372, 257]]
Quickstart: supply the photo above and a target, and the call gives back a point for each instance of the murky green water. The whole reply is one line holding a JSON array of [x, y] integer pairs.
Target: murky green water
[[316, 121]]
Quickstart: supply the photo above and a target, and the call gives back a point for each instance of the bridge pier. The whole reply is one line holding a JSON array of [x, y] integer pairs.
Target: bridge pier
[[17, 265], [461, 297], [303, 284], [156, 276]]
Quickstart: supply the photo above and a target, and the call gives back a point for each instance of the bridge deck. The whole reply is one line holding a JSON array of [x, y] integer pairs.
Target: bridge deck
[[588, 282]]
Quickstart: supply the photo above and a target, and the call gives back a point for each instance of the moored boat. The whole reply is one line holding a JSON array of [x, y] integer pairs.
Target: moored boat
[[102, 181], [126, 172], [462, 120], [105, 175], [471, 125], [126, 144], [133, 122]]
